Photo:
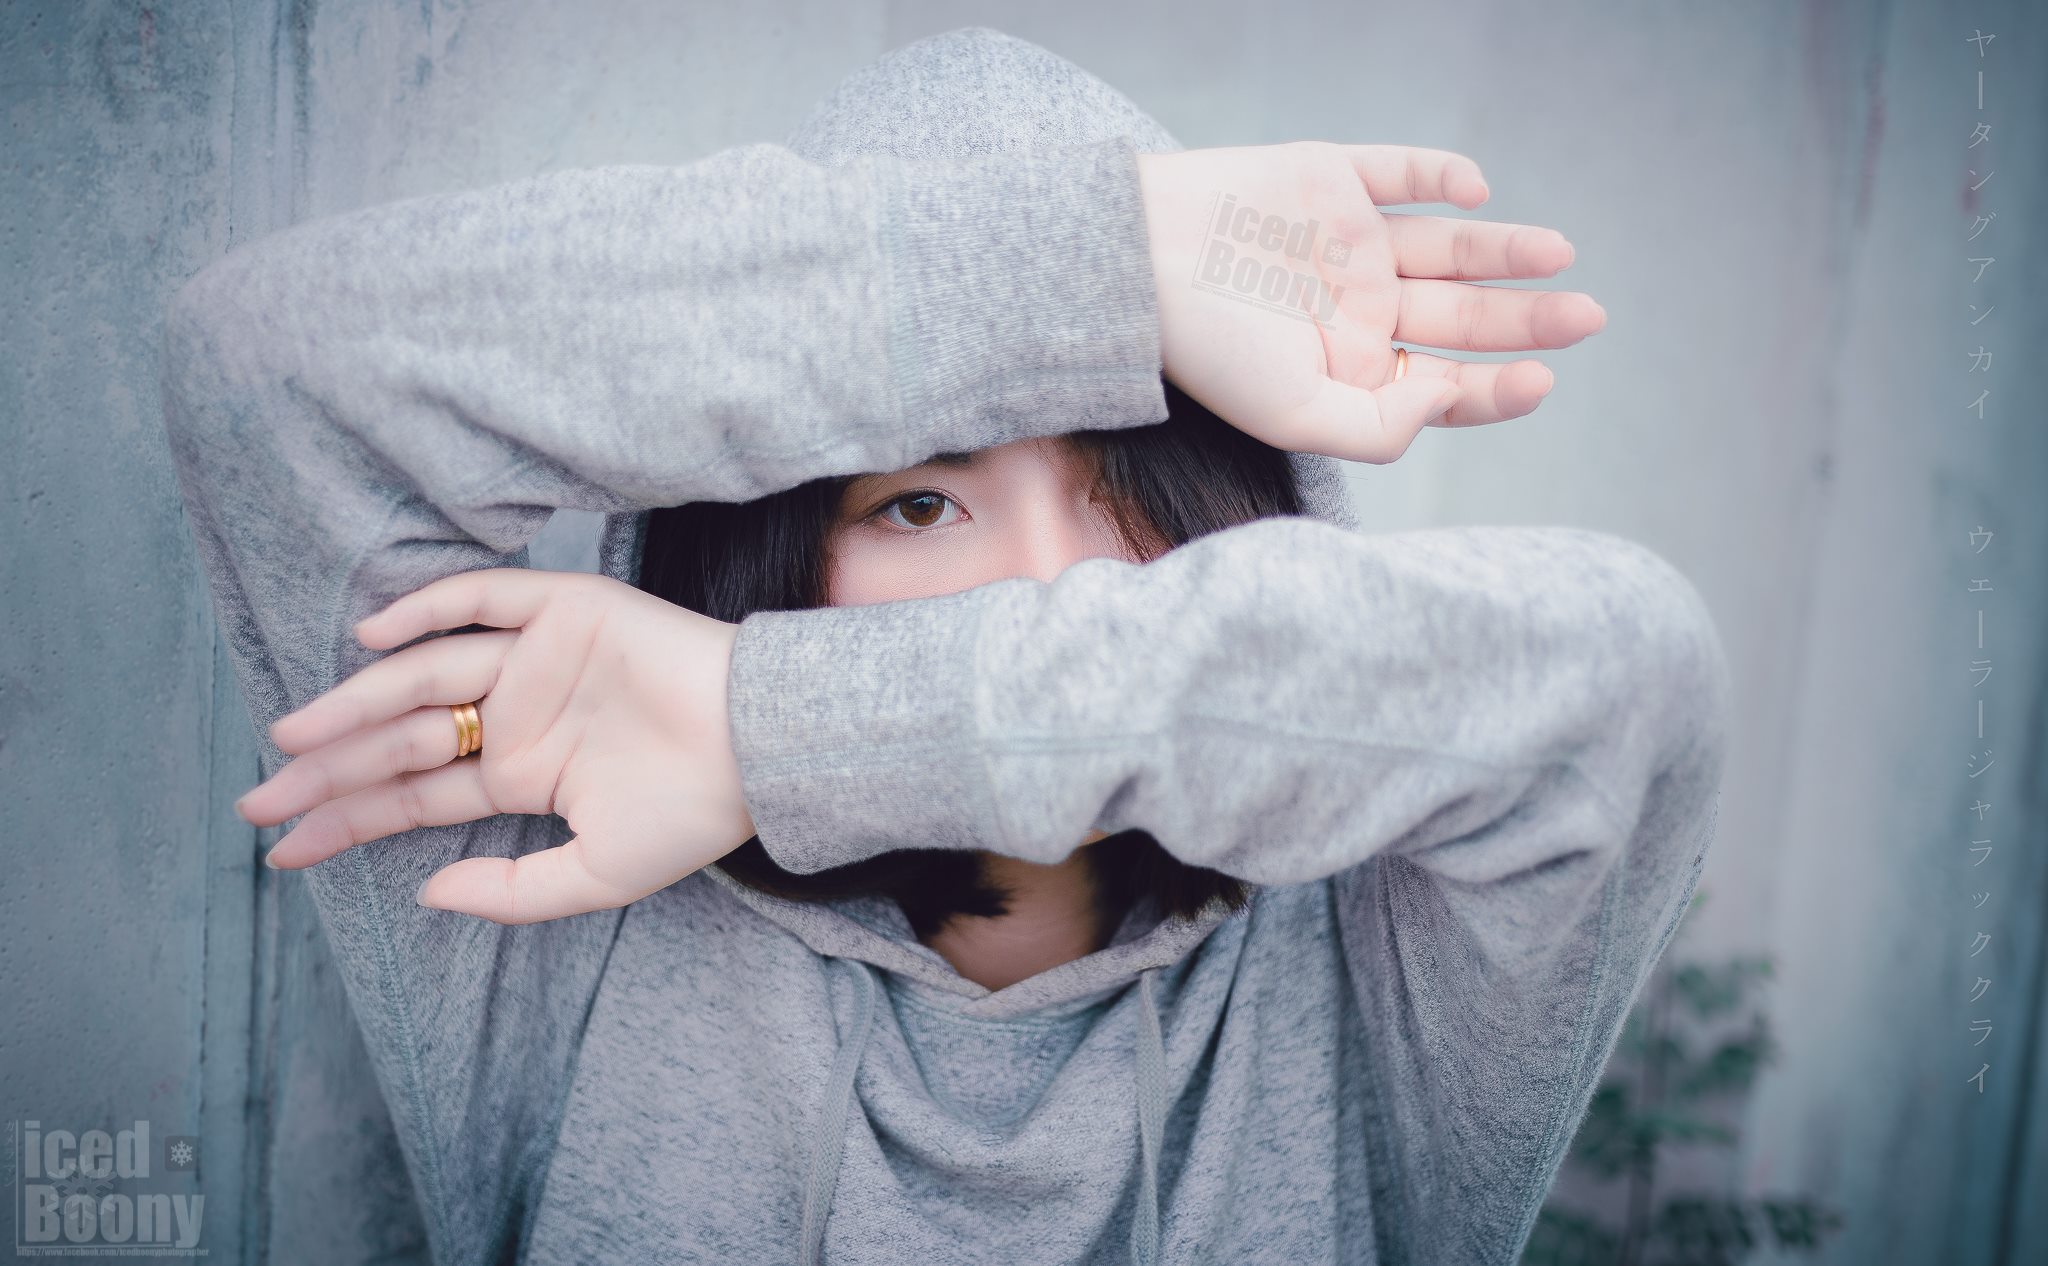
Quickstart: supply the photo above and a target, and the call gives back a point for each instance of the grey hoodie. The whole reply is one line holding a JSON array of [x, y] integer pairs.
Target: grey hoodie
[[1472, 773]]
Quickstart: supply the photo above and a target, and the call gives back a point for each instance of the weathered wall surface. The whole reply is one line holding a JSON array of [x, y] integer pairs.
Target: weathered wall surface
[[1772, 201]]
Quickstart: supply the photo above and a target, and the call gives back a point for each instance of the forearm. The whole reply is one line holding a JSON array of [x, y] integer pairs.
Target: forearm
[[363, 404], [620, 338], [1278, 702]]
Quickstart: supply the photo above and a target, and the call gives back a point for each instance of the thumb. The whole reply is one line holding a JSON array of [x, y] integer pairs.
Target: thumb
[[552, 883], [1376, 426], [1441, 403]]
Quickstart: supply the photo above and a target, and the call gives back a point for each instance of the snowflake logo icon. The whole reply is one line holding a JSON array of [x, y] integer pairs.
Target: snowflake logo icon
[[81, 1183], [181, 1151]]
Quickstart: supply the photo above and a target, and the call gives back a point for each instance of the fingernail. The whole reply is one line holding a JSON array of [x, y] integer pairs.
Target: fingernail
[[270, 860], [419, 894]]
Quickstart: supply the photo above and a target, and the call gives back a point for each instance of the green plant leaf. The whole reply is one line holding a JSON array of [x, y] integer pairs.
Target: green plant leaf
[[1563, 1237], [1800, 1222], [1702, 1230], [1663, 1125], [1606, 1136], [1730, 1068], [1623, 1129]]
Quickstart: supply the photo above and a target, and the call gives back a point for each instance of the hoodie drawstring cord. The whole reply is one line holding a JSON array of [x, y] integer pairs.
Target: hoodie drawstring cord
[[828, 1132], [1151, 1076]]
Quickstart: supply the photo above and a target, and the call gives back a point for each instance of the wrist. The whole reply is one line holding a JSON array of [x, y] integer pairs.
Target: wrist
[[854, 729], [1024, 298]]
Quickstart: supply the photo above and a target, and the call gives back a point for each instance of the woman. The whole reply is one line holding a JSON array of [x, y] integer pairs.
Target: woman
[[1277, 899]]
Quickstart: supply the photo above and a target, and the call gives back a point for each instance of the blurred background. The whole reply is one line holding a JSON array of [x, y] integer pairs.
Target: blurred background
[[1814, 227]]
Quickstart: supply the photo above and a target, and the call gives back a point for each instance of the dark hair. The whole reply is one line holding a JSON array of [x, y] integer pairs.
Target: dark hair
[[1164, 485]]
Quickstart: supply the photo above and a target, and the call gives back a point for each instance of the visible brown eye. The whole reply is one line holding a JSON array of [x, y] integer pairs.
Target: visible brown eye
[[920, 508]]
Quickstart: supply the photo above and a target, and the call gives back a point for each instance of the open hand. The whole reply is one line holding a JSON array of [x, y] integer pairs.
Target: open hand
[[1282, 289], [602, 703]]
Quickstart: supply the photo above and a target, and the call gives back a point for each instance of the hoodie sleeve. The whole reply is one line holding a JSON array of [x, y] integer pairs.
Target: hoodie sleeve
[[361, 404], [1502, 746], [1278, 701]]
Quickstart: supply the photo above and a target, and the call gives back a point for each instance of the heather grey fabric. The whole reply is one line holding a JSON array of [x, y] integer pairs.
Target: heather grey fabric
[[1472, 772]]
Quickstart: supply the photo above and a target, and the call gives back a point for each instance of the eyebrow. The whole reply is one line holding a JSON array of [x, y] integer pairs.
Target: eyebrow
[[953, 461]]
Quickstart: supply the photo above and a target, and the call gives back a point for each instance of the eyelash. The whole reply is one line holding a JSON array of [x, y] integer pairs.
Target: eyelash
[[910, 495]]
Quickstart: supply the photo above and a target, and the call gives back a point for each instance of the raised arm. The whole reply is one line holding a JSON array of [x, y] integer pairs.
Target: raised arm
[[1503, 745], [359, 405], [620, 338], [1279, 701]]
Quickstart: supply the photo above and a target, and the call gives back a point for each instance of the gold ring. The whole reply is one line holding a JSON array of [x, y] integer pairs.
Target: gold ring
[[1400, 362], [469, 728]]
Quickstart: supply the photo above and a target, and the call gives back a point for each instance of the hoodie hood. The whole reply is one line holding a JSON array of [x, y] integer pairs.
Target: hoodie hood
[[969, 92]]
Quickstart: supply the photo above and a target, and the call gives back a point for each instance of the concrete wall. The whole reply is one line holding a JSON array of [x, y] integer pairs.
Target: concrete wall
[[1771, 200]]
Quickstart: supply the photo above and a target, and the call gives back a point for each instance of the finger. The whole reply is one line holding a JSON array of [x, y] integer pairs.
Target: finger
[[442, 796], [446, 670], [1487, 392], [422, 739], [1473, 318], [502, 597], [1474, 250], [1357, 425], [1407, 173], [553, 883]]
